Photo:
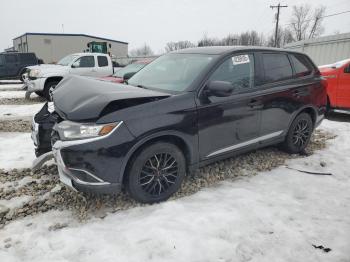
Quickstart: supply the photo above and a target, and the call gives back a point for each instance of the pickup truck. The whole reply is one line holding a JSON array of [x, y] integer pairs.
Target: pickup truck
[[42, 79], [338, 86]]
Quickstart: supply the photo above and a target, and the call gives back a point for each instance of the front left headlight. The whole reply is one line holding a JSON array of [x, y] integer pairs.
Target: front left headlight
[[34, 73], [69, 130]]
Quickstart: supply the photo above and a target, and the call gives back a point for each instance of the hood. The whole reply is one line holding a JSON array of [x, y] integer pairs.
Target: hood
[[78, 98], [48, 68]]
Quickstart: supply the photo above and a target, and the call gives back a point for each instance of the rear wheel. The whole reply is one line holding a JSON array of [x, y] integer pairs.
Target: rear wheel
[[156, 173], [39, 93], [49, 87], [299, 134]]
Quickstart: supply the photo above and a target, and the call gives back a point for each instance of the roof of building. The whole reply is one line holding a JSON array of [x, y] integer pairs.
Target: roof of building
[[322, 39], [83, 35]]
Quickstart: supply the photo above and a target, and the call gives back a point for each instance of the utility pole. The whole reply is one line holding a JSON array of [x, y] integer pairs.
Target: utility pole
[[279, 6]]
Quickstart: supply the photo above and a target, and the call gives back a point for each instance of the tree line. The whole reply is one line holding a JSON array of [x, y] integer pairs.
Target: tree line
[[304, 23]]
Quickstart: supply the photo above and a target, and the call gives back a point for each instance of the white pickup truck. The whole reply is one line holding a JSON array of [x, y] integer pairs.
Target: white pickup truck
[[42, 79]]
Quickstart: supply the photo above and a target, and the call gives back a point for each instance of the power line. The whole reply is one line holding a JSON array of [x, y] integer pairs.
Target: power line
[[340, 13], [279, 6]]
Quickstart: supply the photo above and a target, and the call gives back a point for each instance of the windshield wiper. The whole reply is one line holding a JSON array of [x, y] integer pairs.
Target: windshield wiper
[[141, 86]]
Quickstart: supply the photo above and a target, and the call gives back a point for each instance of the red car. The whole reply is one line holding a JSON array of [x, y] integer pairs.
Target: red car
[[128, 71], [338, 88]]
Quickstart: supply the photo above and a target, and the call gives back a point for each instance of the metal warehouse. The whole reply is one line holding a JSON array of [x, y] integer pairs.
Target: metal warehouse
[[324, 50], [52, 47]]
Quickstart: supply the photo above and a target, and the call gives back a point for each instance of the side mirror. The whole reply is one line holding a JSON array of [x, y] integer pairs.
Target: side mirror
[[127, 76], [74, 66], [219, 88]]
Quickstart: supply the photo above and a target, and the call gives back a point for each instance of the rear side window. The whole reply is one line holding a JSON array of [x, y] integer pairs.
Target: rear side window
[[2, 60], [102, 61], [238, 70], [27, 57], [11, 58], [302, 66], [277, 67]]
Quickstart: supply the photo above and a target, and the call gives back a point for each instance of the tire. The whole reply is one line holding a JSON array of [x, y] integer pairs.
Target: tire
[[299, 134], [148, 183], [39, 93], [48, 87], [21, 75]]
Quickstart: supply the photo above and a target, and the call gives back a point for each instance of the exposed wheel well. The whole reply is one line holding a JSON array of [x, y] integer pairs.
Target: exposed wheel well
[[53, 79], [311, 112], [177, 141]]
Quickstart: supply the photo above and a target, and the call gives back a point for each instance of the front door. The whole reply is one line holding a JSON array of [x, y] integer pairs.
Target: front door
[[227, 124], [84, 66], [343, 92]]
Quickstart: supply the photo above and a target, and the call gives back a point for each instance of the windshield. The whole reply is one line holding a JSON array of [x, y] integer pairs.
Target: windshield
[[1, 60], [128, 69], [173, 72], [67, 60]]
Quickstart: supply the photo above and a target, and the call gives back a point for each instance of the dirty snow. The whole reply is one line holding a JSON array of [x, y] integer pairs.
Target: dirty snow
[[274, 216], [11, 87], [15, 202], [13, 112], [14, 94], [16, 150]]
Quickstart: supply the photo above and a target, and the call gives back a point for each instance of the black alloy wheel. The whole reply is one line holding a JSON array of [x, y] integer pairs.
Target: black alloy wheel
[[299, 134], [156, 173]]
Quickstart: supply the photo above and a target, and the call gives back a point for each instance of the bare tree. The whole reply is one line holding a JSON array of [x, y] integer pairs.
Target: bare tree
[[317, 29], [306, 24], [206, 41], [144, 50], [172, 46]]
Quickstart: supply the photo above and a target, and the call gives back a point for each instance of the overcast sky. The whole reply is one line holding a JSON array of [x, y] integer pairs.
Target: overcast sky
[[154, 22]]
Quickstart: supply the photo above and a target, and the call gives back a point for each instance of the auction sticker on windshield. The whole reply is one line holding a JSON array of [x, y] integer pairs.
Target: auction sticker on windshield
[[240, 59]]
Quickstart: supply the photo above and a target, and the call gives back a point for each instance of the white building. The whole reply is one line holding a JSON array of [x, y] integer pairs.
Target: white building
[[326, 49], [52, 47]]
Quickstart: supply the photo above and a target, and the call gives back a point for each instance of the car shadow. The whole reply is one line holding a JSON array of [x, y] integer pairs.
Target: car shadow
[[338, 117]]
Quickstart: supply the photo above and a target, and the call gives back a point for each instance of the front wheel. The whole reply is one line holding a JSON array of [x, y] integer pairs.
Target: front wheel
[[299, 134], [156, 173]]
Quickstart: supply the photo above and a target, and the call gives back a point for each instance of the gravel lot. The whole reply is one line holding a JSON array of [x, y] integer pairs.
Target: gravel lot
[[20, 125], [21, 101], [45, 192]]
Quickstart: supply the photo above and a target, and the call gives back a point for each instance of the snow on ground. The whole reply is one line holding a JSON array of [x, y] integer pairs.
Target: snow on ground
[[16, 202], [9, 81], [16, 150], [12, 112], [14, 94], [274, 216], [11, 86]]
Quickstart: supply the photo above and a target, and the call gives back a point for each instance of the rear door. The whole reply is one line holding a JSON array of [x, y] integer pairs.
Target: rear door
[[104, 66], [343, 92], [283, 90], [11, 64], [227, 124]]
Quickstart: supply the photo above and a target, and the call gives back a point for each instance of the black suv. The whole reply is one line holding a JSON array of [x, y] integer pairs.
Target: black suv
[[184, 110], [13, 64]]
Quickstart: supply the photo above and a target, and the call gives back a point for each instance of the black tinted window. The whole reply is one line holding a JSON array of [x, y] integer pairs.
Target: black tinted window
[[302, 66], [238, 70], [277, 67], [102, 61], [27, 57], [11, 58], [85, 61]]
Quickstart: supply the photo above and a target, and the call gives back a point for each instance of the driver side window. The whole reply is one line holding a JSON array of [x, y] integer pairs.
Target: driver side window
[[238, 70], [84, 61]]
